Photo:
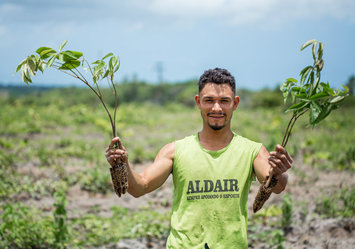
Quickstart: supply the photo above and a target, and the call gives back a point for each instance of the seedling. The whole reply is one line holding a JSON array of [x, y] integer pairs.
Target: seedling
[[69, 62], [309, 94]]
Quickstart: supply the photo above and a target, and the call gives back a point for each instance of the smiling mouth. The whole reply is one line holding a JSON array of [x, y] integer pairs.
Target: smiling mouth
[[213, 115]]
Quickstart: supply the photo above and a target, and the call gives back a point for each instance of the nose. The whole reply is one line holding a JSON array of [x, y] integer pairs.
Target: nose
[[216, 107]]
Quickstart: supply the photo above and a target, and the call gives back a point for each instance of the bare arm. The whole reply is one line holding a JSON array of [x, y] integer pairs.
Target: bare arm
[[279, 160], [152, 177]]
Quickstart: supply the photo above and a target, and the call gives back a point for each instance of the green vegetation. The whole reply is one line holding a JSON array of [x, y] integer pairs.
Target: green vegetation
[[272, 235], [342, 203], [26, 227], [54, 140], [286, 208]]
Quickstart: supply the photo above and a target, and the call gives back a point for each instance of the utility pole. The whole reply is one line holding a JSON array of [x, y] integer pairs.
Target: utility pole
[[160, 69]]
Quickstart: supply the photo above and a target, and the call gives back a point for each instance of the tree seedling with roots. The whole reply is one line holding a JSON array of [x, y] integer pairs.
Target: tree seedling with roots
[[74, 64], [309, 94]]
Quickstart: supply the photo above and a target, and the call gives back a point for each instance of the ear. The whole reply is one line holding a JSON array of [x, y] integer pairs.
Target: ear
[[236, 102], [197, 101]]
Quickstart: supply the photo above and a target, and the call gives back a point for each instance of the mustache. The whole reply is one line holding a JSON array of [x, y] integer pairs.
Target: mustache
[[216, 114]]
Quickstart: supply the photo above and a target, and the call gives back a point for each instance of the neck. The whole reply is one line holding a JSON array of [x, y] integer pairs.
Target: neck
[[215, 140]]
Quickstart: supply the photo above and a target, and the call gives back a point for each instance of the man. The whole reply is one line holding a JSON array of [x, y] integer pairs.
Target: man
[[212, 172]]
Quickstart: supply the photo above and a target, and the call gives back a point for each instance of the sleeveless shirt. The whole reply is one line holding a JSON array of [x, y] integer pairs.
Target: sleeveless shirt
[[210, 204]]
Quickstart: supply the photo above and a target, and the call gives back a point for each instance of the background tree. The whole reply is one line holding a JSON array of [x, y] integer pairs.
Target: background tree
[[351, 84]]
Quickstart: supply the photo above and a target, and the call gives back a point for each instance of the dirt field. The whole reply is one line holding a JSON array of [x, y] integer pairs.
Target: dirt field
[[305, 183]]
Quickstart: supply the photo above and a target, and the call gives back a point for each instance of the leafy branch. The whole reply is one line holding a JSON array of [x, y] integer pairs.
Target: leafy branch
[[310, 94], [69, 62]]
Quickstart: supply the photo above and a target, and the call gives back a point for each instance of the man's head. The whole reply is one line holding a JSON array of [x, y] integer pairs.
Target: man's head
[[216, 99], [216, 76]]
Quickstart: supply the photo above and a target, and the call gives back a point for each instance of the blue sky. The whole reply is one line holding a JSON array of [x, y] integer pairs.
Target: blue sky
[[257, 40]]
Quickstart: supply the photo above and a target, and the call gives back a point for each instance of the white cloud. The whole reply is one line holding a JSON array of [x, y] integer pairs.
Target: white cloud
[[186, 8], [135, 13], [236, 12]]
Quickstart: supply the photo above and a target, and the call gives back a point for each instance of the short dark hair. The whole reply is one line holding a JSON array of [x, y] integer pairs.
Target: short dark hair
[[217, 76]]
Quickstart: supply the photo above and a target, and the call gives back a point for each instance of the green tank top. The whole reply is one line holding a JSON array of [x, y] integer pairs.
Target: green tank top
[[210, 205]]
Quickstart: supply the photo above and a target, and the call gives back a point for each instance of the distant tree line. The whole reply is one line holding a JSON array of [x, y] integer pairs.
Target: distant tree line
[[140, 92]]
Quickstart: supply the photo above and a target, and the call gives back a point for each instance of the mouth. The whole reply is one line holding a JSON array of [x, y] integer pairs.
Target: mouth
[[216, 116]]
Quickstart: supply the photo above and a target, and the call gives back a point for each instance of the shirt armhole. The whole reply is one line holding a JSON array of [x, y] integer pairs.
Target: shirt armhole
[[255, 153]]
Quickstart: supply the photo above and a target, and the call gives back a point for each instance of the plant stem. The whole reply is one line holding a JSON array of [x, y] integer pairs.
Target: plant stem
[[96, 93], [81, 75], [287, 130], [115, 109]]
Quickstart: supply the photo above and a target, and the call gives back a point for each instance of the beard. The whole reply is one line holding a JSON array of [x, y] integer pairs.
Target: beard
[[216, 127]]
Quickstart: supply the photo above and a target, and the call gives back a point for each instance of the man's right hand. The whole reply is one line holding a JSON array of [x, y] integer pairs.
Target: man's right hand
[[114, 153]]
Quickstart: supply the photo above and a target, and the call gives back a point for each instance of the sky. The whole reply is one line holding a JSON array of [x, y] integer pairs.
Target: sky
[[258, 41]]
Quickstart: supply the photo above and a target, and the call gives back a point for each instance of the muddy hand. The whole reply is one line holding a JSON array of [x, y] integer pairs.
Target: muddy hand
[[280, 161], [116, 151], [117, 157]]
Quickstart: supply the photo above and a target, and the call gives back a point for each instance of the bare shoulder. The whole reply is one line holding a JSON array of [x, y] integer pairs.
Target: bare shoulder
[[167, 151]]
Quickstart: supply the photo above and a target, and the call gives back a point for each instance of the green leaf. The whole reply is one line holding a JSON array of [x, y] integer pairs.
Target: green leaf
[[25, 76], [51, 61], [301, 95], [285, 87], [117, 67], [113, 61], [324, 113], [314, 50], [319, 65], [299, 105], [31, 65], [70, 65], [97, 62], [20, 65], [310, 81], [304, 73], [46, 52], [99, 67], [62, 45], [291, 80], [315, 111], [306, 44], [320, 50], [71, 55], [106, 56], [106, 74], [41, 66], [319, 96], [337, 99]]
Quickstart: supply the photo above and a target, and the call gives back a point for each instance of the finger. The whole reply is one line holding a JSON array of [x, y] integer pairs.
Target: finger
[[278, 164], [120, 152], [113, 142], [281, 157], [119, 144], [111, 160], [282, 150], [275, 169]]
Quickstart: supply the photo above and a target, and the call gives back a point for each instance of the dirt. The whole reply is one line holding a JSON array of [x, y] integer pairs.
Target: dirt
[[306, 183]]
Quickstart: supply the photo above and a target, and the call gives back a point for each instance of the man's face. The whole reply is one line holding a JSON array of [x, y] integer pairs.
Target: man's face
[[217, 103]]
